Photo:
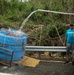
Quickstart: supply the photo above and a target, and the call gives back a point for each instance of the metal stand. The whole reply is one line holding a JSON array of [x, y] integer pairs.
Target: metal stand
[[7, 53]]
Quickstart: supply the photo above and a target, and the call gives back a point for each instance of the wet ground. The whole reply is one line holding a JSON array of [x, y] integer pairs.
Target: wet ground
[[43, 68]]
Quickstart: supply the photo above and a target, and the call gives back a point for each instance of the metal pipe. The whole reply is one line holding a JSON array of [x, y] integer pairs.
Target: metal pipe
[[56, 12]]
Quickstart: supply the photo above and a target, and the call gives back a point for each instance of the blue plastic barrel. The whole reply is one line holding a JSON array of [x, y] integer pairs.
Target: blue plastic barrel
[[14, 41]]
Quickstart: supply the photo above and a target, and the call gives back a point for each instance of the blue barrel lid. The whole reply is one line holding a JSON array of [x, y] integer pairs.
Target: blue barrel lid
[[12, 32]]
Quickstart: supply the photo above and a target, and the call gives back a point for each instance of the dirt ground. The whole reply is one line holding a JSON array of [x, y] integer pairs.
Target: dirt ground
[[43, 68]]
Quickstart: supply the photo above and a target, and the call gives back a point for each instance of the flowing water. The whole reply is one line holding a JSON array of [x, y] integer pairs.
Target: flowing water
[[12, 32]]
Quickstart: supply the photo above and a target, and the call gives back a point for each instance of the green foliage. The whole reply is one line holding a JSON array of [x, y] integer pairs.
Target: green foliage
[[7, 24], [1, 18], [52, 30], [14, 11]]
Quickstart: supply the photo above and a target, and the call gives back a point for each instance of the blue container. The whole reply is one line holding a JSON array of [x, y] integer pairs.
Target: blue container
[[15, 41]]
